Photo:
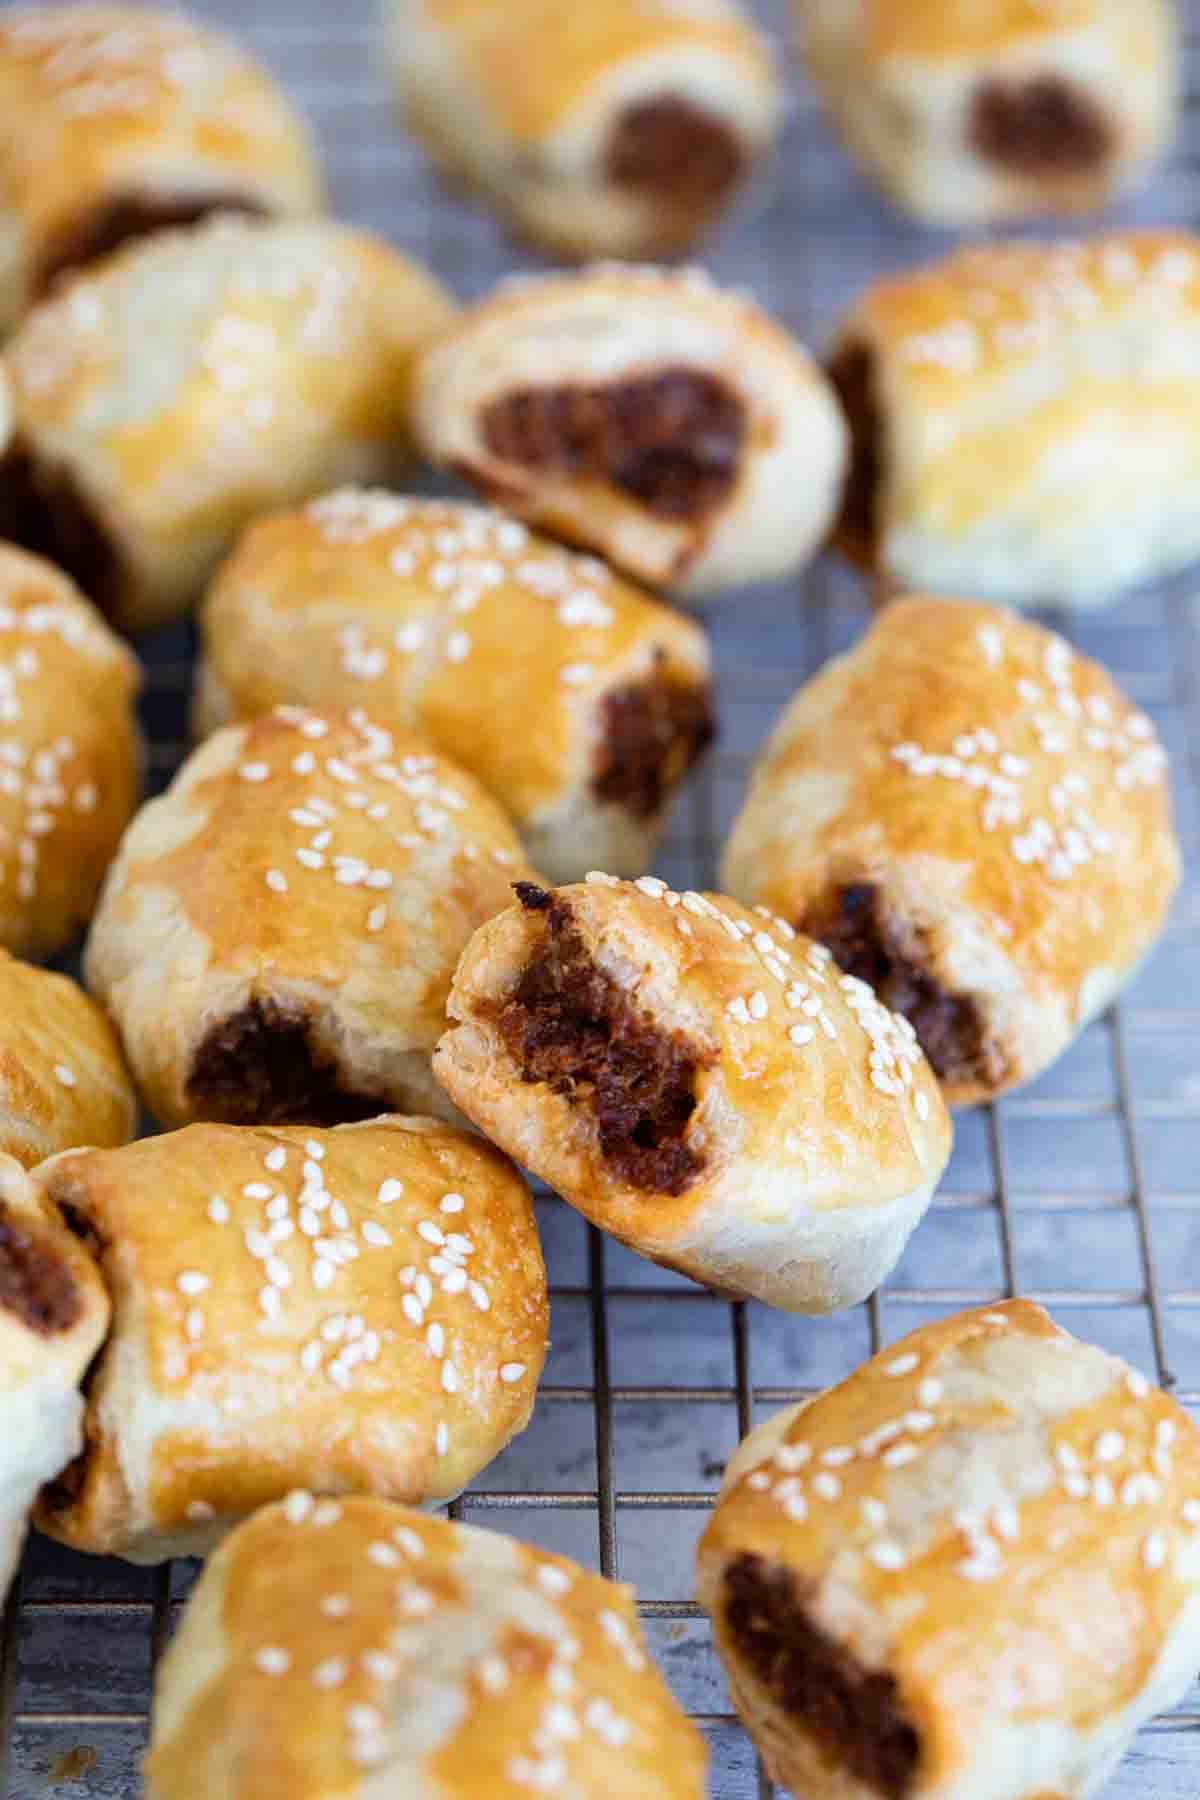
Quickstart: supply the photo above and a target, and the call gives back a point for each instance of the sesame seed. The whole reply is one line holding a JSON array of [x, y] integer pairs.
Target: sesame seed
[[375, 1234], [328, 1512], [449, 1377], [511, 1372], [801, 1034], [435, 1337], [1154, 1550], [901, 1454], [271, 1660], [791, 1457], [255, 771], [64, 1075], [192, 1282], [874, 1513], [218, 1210], [838, 1457], [441, 1438], [331, 1673], [1109, 1446], [826, 1487], [383, 1556], [432, 1233], [903, 1365], [886, 1555], [1191, 1512]]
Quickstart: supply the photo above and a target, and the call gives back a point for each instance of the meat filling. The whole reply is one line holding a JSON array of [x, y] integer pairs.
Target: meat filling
[[852, 372], [653, 732], [261, 1067], [570, 1025], [672, 151], [123, 217], [35, 1284], [866, 943], [43, 509], [1042, 127], [672, 441], [853, 1713]]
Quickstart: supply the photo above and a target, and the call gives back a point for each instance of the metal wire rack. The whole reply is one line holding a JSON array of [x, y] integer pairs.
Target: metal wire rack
[[1081, 1191]]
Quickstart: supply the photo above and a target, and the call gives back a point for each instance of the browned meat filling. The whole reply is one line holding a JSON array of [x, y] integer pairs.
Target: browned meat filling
[[570, 1025], [122, 217], [43, 510], [852, 372], [654, 730], [673, 441], [669, 149], [261, 1067], [35, 1284], [1042, 127], [866, 943], [852, 1712]]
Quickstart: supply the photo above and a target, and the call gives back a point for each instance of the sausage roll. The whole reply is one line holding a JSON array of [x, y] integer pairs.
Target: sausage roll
[[62, 1078], [276, 940], [70, 753], [578, 701], [976, 821], [1023, 420], [645, 414], [701, 1083], [619, 128], [53, 1316], [973, 112], [192, 380], [361, 1310], [363, 1649], [972, 1569], [118, 120]]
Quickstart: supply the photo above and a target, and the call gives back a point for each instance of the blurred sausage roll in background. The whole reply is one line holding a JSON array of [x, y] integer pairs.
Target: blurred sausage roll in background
[[576, 699], [972, 1569], [70, 753], [196, 378], [63, 1081], [700, 1082], [361, 1310], [276, 939], [1024, 419], [616, 128], [642, 413], [969, 111], [53, 1316], [118, 120], [976, 821]]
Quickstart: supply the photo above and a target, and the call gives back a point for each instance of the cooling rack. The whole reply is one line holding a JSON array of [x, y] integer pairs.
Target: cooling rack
[[1082, 1191]]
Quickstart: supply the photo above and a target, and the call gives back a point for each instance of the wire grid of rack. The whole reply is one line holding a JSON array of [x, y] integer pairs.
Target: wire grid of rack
[[1082, 1191]]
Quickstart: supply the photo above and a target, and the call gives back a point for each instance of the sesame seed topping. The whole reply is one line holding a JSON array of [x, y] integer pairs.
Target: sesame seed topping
[[903, 1365], [271, 1660], [886, 1555], [511, 1372], [192, 1282], [1109, 1446], [64, 1075], [331, 1673], [901, 1454], [1154, 1550]]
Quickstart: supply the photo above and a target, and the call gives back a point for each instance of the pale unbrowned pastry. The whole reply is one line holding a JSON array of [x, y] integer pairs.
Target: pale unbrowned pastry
[[976, 821], [118, 120], [193, 379], [276, 940], [363, 1649], [1023, 419], [700, 1082], [643, 413], [361, 1310], [53, 1315], [968, 1572], [70, 753], [576, 700], [63, 1081], [616, 128], [970, 111]]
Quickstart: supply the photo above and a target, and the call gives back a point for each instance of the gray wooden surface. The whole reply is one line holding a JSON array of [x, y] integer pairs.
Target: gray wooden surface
[[1060, 1192]]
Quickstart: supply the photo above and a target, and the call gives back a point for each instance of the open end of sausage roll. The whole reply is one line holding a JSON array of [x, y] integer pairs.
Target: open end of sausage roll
[[654, 731], [262, 1066], [674, 152], [43, 509], [1042, 127], [869, 940], [852, 372], [569, 1024], [36, 1286], [852, 1712], [136, 213], [672, 441]]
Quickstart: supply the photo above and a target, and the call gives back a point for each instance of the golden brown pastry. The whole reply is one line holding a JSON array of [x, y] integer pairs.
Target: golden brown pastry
[[276, 940], [360, 1310], [701, 1083], [970, 111], [53, 1315], [616, 128], [364, 1649], [118, 120], [70, 753], [196, 378], [63, 1081], [1023, 419], [968, 1572], [642, 413], [976, 821], [576, 700]]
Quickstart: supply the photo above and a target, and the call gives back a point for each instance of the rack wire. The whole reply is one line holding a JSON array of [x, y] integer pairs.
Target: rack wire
[[1081, 1191]]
